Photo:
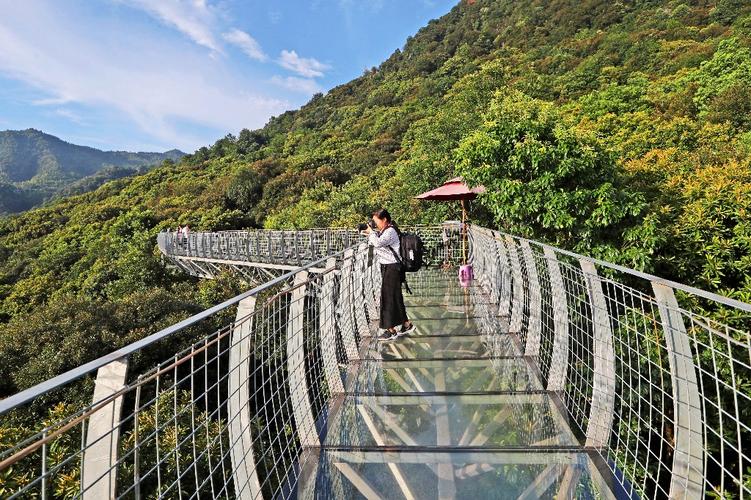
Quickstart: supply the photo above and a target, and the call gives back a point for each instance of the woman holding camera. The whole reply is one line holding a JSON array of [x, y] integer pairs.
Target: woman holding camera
[[385, 238]]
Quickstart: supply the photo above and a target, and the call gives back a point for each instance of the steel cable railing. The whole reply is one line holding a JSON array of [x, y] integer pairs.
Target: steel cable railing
[[226, 412], [208, 254], [225, 404], [650, 377], [653, 376]]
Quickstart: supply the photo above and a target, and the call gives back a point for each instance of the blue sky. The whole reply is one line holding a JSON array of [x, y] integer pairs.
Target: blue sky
[[151, 75]]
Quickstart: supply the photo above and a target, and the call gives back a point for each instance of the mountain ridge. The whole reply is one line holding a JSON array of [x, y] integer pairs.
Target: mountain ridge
[[37, 166]]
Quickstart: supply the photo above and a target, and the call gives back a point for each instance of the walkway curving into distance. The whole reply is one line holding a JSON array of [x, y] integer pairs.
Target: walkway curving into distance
[[551, 375], [450, 411]]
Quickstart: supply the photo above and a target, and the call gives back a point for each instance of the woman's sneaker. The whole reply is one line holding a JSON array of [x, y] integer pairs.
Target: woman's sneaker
[[408, 330], [388, 336]]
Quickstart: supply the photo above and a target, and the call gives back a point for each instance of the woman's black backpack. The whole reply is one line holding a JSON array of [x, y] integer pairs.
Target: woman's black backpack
[[411, 248], [411, 251]]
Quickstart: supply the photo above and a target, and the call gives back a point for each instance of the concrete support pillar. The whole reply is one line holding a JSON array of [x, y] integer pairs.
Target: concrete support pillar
[[247, 485], [688, 459], [99, 469]]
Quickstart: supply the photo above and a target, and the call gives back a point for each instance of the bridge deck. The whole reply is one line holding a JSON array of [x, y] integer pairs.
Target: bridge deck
[[449, 412]]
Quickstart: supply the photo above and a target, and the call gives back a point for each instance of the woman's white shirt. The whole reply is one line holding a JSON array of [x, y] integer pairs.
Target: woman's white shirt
[[382, 242]]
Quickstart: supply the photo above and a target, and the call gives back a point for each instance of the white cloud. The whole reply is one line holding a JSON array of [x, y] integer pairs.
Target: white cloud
[[70, 115], [50, 101], [247, 43], [307, 67], [295, 84], [193, 18], [178, 96]]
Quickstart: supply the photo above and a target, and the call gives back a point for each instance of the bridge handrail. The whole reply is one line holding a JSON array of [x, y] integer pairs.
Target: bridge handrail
[[720, 299], [651, 386], [27, 395], [654, 386]]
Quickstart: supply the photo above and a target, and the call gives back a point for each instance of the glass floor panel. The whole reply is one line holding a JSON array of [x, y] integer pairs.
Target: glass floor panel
[[444, 326], [448, 411], [481, 375], [475, 475], [510, 420], [417, 313], [445, 300], [421, 347]]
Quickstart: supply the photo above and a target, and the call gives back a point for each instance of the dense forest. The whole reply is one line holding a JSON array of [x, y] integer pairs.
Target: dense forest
[[617, 129], [35, 167]]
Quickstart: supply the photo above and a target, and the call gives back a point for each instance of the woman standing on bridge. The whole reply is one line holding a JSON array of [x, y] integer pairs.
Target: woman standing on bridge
[[386, 242]]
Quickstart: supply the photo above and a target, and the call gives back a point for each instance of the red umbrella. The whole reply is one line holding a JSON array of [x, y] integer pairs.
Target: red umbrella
[[454, 189]]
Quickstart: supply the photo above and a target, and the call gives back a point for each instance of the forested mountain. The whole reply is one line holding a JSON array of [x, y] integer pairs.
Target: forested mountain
[[617, 129], [35, 166]]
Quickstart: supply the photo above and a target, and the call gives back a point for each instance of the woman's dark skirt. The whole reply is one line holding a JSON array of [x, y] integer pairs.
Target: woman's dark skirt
[[393, 312]]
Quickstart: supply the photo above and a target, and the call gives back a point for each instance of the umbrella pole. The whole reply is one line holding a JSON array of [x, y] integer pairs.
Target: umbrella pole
[[464, 234]]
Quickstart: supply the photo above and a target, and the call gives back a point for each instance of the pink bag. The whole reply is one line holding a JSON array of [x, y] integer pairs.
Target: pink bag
[[466, 274]]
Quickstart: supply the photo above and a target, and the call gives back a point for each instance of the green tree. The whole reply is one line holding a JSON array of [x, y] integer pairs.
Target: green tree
[[546, 180]]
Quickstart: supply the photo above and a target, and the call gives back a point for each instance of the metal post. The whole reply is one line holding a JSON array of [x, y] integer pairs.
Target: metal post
[[247, 485], [99, 468], [688, 459], [504, 269], [313, 256], [328, 331], [269, 254], [359, 302], [603, 379], [344, 307], [517, 306], [559, 359], [298, 384], [534, 330]]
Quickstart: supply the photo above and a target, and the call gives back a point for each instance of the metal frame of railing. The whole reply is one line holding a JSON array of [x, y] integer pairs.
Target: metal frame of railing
[[210, 406], [660, 391], [259, 255], [231, 402]]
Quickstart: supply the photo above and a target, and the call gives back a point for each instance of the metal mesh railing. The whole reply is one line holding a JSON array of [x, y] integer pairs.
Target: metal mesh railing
[[222, 405], [654, 375], [206, 254], [225, 404]]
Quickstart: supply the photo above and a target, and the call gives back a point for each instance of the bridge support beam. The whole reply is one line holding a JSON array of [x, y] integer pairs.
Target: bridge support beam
[[687, 480], [99, 468], [603, 379], [298, 383], [559, 359], [247, 485]]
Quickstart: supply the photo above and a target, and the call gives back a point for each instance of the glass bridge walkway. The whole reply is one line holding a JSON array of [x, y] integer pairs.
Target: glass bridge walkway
[[451, 412], [550, 375]]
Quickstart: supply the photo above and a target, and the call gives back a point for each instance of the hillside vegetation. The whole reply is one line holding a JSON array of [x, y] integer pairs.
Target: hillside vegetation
[[617, 129], [620, 130], [35, 166]]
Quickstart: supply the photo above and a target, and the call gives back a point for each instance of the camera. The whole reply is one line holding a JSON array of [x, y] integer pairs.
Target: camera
[[363, 226]]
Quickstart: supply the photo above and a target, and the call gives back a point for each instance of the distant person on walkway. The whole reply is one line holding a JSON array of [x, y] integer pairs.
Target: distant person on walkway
[[385, 239]]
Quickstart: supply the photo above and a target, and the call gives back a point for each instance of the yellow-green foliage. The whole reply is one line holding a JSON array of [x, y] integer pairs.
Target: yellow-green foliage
[[643, 109]]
